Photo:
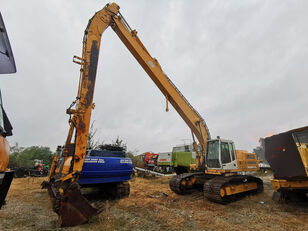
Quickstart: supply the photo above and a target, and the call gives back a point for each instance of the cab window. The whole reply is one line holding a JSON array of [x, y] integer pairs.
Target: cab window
[[213, 154], [232, 151], [225, 153]]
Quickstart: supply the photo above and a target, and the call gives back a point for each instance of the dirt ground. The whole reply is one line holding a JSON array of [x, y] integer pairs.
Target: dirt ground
[[152, 206]]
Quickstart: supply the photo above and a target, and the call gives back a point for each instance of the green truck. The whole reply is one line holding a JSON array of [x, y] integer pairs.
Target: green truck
[[182, 157], [179, 160]]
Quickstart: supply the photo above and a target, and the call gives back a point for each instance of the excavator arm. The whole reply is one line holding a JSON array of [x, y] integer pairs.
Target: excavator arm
[[71, 206], [152, 67]]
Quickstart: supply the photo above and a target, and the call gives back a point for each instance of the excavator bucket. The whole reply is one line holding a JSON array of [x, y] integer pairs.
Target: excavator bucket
[[5, 182], [72, 207]]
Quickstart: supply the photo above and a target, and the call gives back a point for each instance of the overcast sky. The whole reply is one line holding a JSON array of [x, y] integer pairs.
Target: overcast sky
[[241, 64]]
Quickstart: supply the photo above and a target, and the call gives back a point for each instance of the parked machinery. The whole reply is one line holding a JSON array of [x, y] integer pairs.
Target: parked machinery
[[287, 154], [7, 66], [216, 170], [38, 170], [179, 160], [109, 169], [183, 156], [149, 160], [221, 180], [164, 162]]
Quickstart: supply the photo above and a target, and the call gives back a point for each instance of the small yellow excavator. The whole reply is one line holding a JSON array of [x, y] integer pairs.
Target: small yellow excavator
[[217, 161]]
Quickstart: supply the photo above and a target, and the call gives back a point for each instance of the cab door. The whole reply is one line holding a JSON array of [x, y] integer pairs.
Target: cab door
[[227, 157]]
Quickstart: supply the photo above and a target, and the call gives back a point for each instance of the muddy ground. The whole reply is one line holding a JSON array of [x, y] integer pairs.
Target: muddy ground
[[152, 206]]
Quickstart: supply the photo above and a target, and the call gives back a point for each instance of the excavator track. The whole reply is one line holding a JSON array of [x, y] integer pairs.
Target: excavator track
[[182, 184], [213, 187], [122, 190]]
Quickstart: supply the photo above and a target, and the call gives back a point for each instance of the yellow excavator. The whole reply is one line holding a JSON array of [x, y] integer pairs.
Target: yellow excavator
[[7, 66], [217, 162]]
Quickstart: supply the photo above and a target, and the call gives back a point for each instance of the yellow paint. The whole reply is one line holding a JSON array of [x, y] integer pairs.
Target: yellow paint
[[222, 192], [214, 171], [288, 184], [192, 180], [303, 151], [246, 161], [4, 154], [235, 189], [193, 167]]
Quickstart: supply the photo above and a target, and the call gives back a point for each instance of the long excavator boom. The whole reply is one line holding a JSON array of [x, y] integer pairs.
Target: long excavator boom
[[63, 188], [152, 67]]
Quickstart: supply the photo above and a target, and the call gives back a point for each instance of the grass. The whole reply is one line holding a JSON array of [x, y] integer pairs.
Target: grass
[[152, 206]]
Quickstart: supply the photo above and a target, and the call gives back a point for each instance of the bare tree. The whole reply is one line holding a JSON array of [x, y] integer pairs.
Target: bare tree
[[93, 143]]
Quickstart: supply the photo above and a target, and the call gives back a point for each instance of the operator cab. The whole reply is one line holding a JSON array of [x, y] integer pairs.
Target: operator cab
[[221, 154]]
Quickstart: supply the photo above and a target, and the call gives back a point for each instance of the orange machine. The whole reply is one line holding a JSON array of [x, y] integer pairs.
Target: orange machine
[[149, 160], [4, 154], [7, 66], [216, 163]]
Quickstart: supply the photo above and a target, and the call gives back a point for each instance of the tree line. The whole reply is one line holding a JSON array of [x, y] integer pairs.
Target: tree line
[[24, 157]]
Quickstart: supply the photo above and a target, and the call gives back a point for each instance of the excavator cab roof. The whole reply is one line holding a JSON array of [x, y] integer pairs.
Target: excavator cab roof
[[222, 140]]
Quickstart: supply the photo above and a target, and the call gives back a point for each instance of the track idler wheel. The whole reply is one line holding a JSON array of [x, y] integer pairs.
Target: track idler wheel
[[73, 209]]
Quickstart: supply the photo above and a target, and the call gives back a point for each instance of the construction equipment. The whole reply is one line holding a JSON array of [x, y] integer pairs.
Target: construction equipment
[[183, 156], [68, 203], [149, 160], [287, 154], [38, 170], [220, 180], [164, 162], [7, 66], [107, 167], [219, 174]]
